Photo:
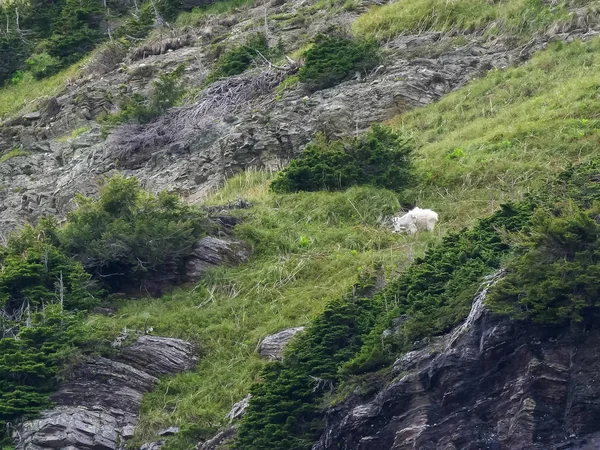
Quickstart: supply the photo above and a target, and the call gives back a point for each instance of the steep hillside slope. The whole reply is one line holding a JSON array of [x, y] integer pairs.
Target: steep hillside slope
[[498, 101], [66, 152], [462, 182]]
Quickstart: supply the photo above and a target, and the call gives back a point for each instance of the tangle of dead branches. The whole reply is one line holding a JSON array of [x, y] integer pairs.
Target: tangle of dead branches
[[133, 143]]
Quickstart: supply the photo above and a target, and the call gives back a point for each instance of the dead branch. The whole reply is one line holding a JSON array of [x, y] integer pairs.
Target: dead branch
[[177, 128]]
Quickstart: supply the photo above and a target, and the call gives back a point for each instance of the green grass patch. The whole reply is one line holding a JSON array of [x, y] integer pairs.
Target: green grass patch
[[200, 13], [506, 134], [14, 97], [12, 154], [522, 17], [74, 134], [307, 248]]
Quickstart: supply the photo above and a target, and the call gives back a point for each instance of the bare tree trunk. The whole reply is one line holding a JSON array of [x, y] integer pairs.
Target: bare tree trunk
[[28, 312], [61, 291], [266, 21]]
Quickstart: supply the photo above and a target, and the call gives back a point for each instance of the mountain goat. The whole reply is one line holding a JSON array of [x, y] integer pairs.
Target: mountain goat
[[416, 219]]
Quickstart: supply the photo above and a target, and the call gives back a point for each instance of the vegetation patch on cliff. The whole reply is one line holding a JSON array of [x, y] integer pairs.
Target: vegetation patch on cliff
[[507, 134], [50, 275], [553, 276], [515, 17], [334, 57], [379, 158]]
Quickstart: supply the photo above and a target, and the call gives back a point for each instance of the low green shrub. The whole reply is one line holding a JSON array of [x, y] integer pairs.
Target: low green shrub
[[137, 26], [239, 58], [165, 93], [35, 272], [284, 412], [556, 277], [379, 157], [128, 235], [334, 57], [42, 65]]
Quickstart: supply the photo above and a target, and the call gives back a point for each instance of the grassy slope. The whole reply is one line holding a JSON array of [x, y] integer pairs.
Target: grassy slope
[[200, 13], [520, 18], [492, 141], [508, 133], [15, 97], [308, 248]]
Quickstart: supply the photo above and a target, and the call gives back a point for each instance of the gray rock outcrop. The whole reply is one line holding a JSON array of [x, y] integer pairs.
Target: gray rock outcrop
[[497, 385], [210, 252], [97, 407], [219, 440], [238, 409], [272, 346]]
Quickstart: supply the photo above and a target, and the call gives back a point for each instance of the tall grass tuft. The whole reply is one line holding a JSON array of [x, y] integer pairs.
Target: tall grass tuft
[[521, 17]]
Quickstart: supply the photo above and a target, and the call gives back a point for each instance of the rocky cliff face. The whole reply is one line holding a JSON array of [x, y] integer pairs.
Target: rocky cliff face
[[496, 384], [97, 408], [261, 131]]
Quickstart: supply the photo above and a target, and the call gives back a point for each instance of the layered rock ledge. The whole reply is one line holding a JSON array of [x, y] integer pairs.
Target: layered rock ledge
[[501, 385], [97, 408]]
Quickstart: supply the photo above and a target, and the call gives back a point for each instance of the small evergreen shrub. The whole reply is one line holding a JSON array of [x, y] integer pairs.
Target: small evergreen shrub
[[129, 235], [42, 65], [165, 92], [556, 277], [76, 31], [335, 57], [35, 272], [30, 362], [137, 26], [238, 59], [379, 157], [284, 412]]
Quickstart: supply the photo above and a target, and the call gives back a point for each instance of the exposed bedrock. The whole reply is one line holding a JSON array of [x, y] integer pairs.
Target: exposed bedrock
[[97, 408], [501, 385]]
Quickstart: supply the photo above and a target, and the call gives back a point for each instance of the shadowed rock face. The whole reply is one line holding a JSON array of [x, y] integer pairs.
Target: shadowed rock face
[[97, 408], [501, 385], [211, 252]]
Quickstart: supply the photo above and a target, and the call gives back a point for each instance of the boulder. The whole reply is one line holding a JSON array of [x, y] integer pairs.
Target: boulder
[[32, 116], [210, 252], [169, 431], [219, 440], [272, 346], [152, 445]]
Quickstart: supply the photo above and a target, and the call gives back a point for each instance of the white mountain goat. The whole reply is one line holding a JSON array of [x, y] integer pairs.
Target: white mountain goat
[[416, 219]]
